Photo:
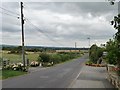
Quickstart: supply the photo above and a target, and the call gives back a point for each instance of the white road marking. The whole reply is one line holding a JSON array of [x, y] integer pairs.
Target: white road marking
[[70, 86]]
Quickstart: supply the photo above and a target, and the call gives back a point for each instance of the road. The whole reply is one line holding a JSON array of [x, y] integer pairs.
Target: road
[[59, 76]]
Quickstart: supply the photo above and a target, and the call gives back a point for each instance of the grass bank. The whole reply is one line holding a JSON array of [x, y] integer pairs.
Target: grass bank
[[4, 74]]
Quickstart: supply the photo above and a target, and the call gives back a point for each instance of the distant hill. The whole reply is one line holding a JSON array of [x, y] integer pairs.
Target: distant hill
[[46, 47]]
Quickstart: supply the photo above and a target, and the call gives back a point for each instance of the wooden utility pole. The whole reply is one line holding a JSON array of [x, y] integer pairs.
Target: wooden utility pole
[[22, 26], [88, 41], [75, 45]]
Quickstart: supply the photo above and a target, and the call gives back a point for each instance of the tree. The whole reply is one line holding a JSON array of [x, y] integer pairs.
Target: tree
[[116, 23], [95, 53], [43, 57], [92, 53], [111, 48]]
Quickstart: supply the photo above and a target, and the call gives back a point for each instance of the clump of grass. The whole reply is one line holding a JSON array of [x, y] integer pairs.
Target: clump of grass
[[89, 62]]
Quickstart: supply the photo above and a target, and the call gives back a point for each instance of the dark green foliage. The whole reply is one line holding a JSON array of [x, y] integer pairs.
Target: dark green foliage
[[116, 24], [57, 58], [95, 53], [12, 51], [39, 59], [111, 48], [64, 57], [7, 48], [16, 50], [43, 57]]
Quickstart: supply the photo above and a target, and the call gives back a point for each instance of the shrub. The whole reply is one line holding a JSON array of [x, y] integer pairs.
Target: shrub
[[50, 59], [95, 53], [89, 62], [65, 57], [112, 50], [56, 58], [43, 57]]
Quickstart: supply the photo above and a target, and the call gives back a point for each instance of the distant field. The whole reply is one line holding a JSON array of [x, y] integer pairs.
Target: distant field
[[18, 57]]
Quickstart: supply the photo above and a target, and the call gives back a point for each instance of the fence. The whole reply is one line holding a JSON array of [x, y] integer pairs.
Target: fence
[[113, 76]]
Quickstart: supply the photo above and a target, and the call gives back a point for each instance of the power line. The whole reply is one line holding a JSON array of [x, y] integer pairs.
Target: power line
[[8, 14], [38, 29], [9, 11]]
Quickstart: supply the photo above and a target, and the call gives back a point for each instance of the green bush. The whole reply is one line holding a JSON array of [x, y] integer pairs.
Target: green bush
[[44, 57], [112, 50], [56, 58], [39, 59], [95, 53]]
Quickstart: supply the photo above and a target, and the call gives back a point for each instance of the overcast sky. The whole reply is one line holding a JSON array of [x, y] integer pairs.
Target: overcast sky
[[58, 23]]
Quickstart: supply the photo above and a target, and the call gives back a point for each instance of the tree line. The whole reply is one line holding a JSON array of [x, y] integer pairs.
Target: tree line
[[112, 47]]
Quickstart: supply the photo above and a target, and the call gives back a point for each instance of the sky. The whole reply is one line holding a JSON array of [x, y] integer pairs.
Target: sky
[[58, 23]]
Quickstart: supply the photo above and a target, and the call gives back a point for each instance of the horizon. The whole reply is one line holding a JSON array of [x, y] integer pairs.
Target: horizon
[[7, 45]]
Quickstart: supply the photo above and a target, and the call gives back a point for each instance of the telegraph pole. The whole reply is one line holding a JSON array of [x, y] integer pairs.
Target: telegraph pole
[[89, 41], [22, 27], [75, 45]]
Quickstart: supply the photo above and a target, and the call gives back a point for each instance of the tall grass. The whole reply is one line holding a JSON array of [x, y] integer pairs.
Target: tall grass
[[18, 57]]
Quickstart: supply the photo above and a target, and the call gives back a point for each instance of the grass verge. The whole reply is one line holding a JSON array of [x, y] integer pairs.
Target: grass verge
[[4, 74]]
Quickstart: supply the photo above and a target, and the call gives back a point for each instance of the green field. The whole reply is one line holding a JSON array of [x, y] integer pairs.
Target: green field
[[18, 58], [15, 58]]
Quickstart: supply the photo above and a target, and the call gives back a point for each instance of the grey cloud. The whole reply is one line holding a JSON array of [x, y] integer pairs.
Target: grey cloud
[[75, 8], [12, 6], [52, 25], [11, 28]]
